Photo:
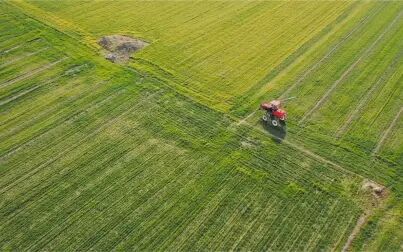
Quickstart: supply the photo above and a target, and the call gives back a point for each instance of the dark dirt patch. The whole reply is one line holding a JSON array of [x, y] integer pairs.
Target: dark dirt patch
[[119, 48]]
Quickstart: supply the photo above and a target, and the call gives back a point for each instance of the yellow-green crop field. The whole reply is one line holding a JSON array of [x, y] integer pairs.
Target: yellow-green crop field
[[169, 153]]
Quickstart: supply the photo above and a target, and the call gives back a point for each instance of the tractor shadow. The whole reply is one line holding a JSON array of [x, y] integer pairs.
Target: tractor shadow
[[277, 134]]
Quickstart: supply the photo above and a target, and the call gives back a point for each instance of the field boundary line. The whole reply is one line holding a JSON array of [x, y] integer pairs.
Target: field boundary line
[[387, 132], [364, 54], [365, 98], [31, 73], [329, 53]]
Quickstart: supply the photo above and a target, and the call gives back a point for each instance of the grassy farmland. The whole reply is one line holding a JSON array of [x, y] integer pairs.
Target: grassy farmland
[[168, 153]]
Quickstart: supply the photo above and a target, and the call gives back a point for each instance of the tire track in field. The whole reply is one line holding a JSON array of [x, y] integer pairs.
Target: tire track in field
[[347, 72], [16, 36], [307, 223], [365, 99], [164, 211], [18, 95], [89, 205], [307, 152], [299, 51], [330, 52], [387, 132], [10, 50], [42, 193], [55, 158], [23, 93], [143, 205], [289, 173], [46, 83], [44, 110], [15, 60], [57, 122], [32, 73], [125, 156]]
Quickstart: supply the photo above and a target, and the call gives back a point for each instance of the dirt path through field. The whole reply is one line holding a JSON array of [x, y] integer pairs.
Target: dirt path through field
[[360, 223]]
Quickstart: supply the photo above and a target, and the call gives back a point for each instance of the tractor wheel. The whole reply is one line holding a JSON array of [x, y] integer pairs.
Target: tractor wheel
[[265, 118], [274, 123]]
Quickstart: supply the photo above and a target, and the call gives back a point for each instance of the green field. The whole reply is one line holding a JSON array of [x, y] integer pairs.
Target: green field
[[168, 152]]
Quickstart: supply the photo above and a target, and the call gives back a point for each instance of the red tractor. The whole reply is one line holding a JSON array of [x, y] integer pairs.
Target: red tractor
[[274, 114]]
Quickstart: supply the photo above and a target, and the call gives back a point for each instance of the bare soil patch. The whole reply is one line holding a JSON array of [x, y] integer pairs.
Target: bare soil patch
[[119, 48]]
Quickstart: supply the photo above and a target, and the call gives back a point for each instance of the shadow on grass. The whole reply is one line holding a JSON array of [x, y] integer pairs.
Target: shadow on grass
[[277, 134]]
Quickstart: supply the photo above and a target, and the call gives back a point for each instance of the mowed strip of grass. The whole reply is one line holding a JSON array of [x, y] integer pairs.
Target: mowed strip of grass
[[106, 159]]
